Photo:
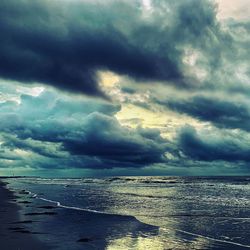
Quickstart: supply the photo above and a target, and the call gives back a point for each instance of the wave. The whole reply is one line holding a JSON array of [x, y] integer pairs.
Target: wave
[[58, 204], [149, 196], [210, 238], [74, 208], [166, 181], [163, 228], [106, 180]]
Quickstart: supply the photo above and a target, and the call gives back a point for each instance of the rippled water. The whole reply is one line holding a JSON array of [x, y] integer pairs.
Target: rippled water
[[191, 212]]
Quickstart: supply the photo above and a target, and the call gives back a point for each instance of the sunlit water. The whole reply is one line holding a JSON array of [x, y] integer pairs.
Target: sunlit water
[[191, 212]]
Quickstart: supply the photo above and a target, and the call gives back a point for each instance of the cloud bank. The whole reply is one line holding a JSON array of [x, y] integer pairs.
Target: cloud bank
[[180, 98], [65, 43], [85, 132]]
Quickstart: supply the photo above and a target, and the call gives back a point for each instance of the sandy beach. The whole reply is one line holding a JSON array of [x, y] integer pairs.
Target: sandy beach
[[13, 232], [34, 223], [124, 213]]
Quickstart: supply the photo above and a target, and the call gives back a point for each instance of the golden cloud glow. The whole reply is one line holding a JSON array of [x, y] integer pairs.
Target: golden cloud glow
[[107, 79], [239, 9]]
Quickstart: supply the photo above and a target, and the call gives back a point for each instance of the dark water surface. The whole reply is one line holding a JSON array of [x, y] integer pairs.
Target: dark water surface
[[141, 212]]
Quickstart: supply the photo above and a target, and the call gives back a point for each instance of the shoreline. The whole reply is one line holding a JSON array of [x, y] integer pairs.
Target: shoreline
[[13, 233], [38, 224], [52, 214]]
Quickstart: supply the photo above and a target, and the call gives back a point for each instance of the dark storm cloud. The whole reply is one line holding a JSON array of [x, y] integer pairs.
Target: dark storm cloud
[[222, 113], [84, 131], [64, 43], [212, 147], [13, 142], [104, 137]]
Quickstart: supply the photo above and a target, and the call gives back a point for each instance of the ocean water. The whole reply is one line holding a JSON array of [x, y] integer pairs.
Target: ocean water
[[140, 212]]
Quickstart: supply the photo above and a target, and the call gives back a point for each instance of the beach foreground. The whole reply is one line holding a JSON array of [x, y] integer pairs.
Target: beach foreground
[[153, 213], [13, 234], [28, 222]]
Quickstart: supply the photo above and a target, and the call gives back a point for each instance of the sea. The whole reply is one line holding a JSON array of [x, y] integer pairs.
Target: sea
[[137, 212]]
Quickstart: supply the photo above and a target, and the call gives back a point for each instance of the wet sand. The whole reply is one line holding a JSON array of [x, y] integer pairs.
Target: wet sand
[[13, 232], [28, 223], [32, 213]]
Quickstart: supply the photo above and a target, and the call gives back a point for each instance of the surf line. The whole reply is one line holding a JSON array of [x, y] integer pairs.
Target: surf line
[[69, 207], [209, 238], [165, 229], [58, 204]]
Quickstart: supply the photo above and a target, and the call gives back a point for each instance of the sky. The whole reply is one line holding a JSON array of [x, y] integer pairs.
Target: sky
[[120, 87]]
